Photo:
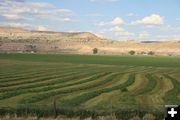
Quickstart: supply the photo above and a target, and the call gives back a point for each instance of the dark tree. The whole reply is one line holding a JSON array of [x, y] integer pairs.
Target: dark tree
[[143, 52], [132, 52], [151, 53], [95, 51]]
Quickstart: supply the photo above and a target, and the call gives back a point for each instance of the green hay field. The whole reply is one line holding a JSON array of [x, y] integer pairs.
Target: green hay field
[[91, 82]]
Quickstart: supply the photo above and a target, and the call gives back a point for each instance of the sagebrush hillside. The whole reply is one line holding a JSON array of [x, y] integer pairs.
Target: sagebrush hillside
[[20, 40]]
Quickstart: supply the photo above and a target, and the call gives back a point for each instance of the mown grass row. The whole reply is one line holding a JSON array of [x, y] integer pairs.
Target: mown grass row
[[171, 97], [40, 87], [14, 71], [16, 76], [36, 78], [71, 82], [149, 87], [29, 79], [38, 73], [43, 88], [24, 89], [76, 101], [44, 95], [25, 75], [39, 82], [130, 97], [85, 78]]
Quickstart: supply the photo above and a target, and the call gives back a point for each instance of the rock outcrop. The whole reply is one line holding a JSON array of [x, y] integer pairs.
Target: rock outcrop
[[20, 40]]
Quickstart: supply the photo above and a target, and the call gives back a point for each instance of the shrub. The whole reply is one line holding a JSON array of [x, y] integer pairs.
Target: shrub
[[143, 52], [132, 52], [170, 54], [151, 53], [30, 48], [95, 51]]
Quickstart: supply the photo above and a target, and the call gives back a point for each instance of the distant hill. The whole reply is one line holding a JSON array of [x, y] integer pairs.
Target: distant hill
[[21, 40], [12, 30]]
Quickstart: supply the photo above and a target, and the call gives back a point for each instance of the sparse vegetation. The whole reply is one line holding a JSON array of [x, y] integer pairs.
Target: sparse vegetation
[[151, 53], [143, 53], [132, 52], [66, 114], [80, 42], [30, 48], [95, 51]]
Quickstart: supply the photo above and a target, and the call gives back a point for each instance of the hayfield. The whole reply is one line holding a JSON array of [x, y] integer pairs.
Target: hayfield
[[31, 83]]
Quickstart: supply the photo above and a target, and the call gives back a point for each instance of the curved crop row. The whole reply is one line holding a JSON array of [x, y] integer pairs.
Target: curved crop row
[[82, 87], [24, 89], [171, 97], [9, 74], [156, 95], [87, 96], [46, 80], [25, 77], [140, 81], [9, 78], [129, 98], [163, 85], [40, 89], [37, 78]]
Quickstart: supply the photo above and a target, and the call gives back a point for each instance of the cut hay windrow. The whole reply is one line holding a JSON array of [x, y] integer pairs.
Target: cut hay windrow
[[163, 85], [172, 95], [25, 89], [120, 79], [176, 76], [36, 78], [131, 98], [155, 96], [47, 87], [16, 71], [8, 78], [71, 89], [25, 77], [45, 80], [89, 81], [139, 82], [87, 96], [149, 86]]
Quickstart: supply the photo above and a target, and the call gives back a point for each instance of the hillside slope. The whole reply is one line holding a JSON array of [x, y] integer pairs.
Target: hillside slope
[[20, 40]]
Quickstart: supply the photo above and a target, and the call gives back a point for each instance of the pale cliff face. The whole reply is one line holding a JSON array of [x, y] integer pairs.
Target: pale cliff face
[[15, 39]]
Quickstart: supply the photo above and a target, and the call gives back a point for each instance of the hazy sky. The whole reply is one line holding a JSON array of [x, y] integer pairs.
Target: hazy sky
[[116, 19]]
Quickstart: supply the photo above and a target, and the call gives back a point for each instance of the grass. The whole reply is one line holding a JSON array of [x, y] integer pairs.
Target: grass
[[87, 96], [172, 95], [87, 82], [105, 60]]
